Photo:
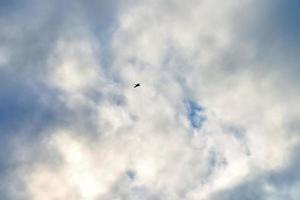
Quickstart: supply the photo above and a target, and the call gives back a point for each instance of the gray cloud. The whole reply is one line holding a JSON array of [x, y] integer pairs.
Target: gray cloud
[[72, 126], [271, 28], [277, 184]]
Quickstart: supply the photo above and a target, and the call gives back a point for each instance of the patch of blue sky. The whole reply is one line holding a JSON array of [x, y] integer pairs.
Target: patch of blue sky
[[131, 174], [195, 114]]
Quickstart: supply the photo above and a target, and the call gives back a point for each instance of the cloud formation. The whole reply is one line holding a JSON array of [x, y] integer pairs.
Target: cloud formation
[[217, 115]]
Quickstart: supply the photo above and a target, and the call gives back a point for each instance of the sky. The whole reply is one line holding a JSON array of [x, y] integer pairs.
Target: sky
[[217, 115]]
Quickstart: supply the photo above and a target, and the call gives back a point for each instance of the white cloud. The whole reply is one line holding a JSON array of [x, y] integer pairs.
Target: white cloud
[[178, 50]]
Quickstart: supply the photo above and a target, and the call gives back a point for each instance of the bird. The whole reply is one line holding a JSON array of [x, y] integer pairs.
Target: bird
[[136, 85]]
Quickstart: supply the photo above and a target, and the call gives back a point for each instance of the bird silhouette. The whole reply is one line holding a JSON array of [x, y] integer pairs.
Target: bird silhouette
[[136, 85]]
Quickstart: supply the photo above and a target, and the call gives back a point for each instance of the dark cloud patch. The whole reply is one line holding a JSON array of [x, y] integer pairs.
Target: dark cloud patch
[[276, 184], [23, 104], [9, 6], [271, 22], [247, 191], [29, 35], [287, 177], [284, 20], [28, 110], [272, 29], [12, 189], [284, 31], [102, 17], [266, 45]]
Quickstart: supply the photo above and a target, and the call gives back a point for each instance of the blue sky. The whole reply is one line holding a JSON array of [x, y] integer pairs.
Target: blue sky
[[216, 116]]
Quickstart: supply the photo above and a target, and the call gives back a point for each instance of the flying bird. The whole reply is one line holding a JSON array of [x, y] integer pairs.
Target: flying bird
[[136, 85]]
